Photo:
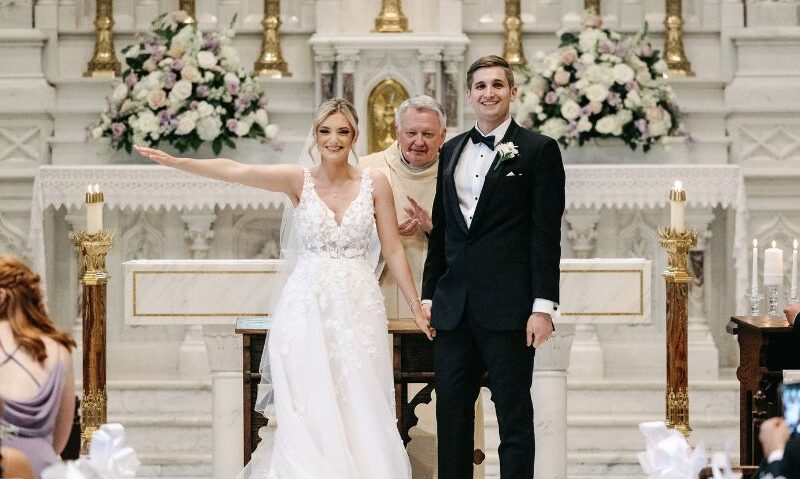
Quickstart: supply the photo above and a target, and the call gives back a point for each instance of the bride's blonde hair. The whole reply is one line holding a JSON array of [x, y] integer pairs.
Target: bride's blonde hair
[[328, 108]]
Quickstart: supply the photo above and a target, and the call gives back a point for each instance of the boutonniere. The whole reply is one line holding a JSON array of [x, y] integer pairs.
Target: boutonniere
[[506, 151]]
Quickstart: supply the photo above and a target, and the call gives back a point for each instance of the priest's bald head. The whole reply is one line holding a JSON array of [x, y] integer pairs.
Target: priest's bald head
[[421, 127]]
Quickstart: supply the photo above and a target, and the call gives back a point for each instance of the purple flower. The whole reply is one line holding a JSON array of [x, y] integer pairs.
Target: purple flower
[[209, 42], [551, 97], [231, 125], [572, 129], [117, 130], [605, 48], [586, 111], [158, 55], [641, 125], [263, 101], [169, 80], [202, 91], [631, 85], [194, 104], [233, 88], [131, 79], [613, 99], [177, 65], [164, 117]]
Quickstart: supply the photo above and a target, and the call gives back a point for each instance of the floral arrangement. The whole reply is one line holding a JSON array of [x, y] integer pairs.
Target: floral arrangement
[[183, 87], [598, 84]]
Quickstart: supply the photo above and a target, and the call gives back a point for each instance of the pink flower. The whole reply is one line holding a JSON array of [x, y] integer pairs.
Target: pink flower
[[654, 114], [568, 57], [561, 77], [156, 99], [593, 21], [595, 107]]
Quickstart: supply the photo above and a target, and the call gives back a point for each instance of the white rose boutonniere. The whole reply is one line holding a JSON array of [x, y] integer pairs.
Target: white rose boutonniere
[[506, 151]]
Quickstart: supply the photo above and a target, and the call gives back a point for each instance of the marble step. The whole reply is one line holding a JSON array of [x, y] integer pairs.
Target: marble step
[[164, 398], [592, 432], [167, 435], [175, 466], [645, 396], [608, 465]]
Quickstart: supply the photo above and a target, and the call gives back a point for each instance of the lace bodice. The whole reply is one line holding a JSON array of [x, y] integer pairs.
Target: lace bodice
[[319, 235]]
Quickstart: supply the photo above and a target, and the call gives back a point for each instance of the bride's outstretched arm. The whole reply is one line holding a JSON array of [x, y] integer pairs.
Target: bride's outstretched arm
[[392, 248], [280, 178]]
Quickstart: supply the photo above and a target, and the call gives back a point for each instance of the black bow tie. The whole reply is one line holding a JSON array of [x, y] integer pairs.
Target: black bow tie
[[476, 138]]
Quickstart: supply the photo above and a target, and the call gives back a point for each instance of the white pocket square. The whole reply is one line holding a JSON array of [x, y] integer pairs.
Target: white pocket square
[[511, 173]]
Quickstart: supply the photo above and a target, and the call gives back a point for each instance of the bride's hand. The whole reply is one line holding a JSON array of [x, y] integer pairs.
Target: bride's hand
[[424, 324], [157, 155]]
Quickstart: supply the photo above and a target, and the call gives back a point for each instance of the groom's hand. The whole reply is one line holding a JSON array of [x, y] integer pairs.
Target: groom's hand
[[423, 322], [539, 330]]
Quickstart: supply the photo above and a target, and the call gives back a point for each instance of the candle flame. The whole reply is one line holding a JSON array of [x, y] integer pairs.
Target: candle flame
[[795, 243], [89, 189], [755, 243], [678, 185], [774, 244]]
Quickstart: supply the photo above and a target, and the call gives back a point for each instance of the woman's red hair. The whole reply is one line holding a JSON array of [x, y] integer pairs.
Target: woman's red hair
[[21, 305]]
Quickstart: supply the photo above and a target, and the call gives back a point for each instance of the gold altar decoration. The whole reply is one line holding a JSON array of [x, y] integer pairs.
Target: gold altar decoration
[[270, 61], [677, 62], [512, 46], [677, 245], [188, 7], [104, 63], [391, 18], [381, 106], [592, 6]]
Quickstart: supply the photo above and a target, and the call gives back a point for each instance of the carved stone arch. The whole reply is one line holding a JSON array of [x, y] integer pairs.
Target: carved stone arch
[[382, 104], [12, 240], [257, 234], [638, 238], [142, 240]]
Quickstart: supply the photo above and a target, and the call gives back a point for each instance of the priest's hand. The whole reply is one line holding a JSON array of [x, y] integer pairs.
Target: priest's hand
[[422, 215], [157, 155], [539, 329], [791, 311], [408, 227]]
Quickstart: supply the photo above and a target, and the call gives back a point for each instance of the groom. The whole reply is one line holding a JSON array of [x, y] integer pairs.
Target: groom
[[490, 285]]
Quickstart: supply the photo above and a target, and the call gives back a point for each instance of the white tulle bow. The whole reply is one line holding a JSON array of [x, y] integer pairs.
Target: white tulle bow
[[668, 455], [108, 458]]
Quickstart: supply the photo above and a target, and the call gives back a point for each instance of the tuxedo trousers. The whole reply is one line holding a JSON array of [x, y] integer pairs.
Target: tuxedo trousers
[[461, 357]]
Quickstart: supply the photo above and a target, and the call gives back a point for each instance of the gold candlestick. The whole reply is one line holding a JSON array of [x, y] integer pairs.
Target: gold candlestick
[[674, 55], [592, 6], [512, 46], [677, 277], [391, 18], [93, 248], [188, 7], [104, 63], [270, 61]]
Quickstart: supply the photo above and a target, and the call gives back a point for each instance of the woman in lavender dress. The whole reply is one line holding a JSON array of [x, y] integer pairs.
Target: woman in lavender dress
[[36, 379]]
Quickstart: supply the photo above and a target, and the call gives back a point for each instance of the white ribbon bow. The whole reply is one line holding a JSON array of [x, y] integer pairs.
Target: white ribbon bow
[[108, 458], [668, 455]]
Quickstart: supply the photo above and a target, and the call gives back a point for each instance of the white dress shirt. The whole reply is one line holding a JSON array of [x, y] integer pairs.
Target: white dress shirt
[[469, 175]]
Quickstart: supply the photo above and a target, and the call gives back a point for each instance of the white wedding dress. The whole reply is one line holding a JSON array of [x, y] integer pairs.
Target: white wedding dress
[[329, 354]]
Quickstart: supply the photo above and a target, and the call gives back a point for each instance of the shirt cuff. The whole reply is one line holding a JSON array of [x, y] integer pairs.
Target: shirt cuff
[[775, 455], [541, 305], [429, 302]]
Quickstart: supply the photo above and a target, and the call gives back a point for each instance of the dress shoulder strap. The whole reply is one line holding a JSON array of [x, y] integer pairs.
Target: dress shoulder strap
[[10, 357]]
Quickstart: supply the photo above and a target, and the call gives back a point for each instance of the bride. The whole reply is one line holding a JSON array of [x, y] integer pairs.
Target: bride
[[328, 355]]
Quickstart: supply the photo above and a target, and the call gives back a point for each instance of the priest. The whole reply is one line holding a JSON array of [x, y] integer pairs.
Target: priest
[[411, 163]]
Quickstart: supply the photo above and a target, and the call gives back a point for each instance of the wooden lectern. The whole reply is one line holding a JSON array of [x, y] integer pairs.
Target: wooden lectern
[[767, 346]]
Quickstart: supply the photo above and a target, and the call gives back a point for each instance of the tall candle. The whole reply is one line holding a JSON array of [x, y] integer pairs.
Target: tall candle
[[793, 294], [677, 204], [773, 266], [94, 209], [754, 276]]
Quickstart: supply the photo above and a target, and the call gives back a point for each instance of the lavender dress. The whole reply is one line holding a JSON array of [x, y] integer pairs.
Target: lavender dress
[[36, 417]]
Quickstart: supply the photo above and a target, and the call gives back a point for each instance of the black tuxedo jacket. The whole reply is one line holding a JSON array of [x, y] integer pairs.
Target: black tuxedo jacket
[[510, 253], [787, 468]]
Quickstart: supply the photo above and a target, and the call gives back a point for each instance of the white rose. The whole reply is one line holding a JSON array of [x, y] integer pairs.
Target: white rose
[[242, 128], [180, 91], [204, 109], [590, 38], [208, 76], [623, 73], [271, 131], [643, 77], [584, 124], [597, 92], [633, 100], [606, 125], [231, 79], [206, 59], [147, 122], [120, 93], [209, 127], [261, 118], [230, 58], [156, 99], [186, 123], [97, 132], [660, 67], [165, 63], [133, 51], [554, 128], [570, 110], [599, 74], [587, 59]]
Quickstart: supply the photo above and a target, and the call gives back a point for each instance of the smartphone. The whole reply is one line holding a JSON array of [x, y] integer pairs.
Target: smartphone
[[791, 407]]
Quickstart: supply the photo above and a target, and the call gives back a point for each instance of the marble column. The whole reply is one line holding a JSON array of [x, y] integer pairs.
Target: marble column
[[586, 361], [192, 356], [453, 86], [76, 220], [325, 59], [144, 11], [348, 59], [703, 353], [225, 361], [430, 59]]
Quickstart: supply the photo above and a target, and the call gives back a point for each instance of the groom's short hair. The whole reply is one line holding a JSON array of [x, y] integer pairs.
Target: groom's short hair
[[489, 61]]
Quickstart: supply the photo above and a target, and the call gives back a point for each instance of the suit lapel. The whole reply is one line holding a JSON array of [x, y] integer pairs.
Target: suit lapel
[[452, 196], [493, 175]]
